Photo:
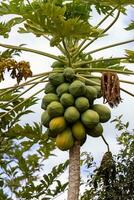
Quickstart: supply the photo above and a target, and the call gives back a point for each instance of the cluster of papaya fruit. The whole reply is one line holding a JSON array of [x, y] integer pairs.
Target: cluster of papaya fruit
[[69, 110]]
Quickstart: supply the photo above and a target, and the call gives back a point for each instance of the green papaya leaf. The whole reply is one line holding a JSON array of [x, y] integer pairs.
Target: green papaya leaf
[[130, 26]]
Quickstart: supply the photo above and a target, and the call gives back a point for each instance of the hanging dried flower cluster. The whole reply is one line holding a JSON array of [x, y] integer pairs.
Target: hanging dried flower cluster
[[110, 86], [19, 70]]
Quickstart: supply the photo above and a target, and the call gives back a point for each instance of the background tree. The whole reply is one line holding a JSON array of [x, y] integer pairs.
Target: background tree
[[67, 26], [119, 182]]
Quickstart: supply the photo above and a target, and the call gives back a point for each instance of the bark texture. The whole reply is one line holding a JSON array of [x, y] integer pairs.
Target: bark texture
[[74, 172]]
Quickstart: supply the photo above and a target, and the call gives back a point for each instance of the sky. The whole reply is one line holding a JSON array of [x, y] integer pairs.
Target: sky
[[40, 64]]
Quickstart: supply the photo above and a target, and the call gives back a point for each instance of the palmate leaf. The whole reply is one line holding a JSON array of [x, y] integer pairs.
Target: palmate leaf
[[74, 28], [45, 188], [47, 18], [61, 28], [11, 7], [50, 179], [4, 29], [18, 70], [104, 6], [126, 2], [31, 132], [14, 116], [56, 24]]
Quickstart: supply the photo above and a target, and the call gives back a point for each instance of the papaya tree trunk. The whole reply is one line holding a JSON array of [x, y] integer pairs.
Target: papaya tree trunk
[[74, 172]]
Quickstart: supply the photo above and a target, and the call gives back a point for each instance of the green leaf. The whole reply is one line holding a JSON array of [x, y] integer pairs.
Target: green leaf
[[5, 27], [55, 41], [53, 19], [47, 180], [130, 26], [78, 9], [9, 53], [130, 55], [127, 124], [105, 63], [118, 67], [3, 195], [1, 183]]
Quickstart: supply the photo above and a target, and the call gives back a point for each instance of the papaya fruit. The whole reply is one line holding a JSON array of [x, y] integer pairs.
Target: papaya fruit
[[99, 92], [82, 103], [62, 88], [45, 119], [78, 130], [83, 140], [90, 118], [57, 64], [96, 131], [48, 98], [91, 92], [103, 111], [69, 74], [77, 88], [56, 78], [55, 109], [71, 114], [65, 140], [49, 88], [67, 100], [57, 124]]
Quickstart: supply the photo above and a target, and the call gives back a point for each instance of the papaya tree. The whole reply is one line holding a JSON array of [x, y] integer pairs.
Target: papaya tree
[[69, 109]]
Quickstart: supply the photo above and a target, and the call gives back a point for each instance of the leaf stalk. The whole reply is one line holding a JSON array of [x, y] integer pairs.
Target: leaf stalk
[[104, 70], [32, 51], [97, 26], [104, 31], [99, 60], [110, 46]]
